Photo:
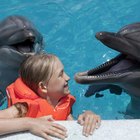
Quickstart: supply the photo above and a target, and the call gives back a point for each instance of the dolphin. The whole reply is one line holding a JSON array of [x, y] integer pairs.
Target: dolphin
[[123, 71], [18, 39]]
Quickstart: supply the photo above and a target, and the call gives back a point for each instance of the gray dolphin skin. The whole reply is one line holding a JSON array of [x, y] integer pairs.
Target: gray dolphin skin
[[18, 39], [123, 71]]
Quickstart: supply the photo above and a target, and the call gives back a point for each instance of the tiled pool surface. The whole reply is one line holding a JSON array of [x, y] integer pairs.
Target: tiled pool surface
[[109, 130]]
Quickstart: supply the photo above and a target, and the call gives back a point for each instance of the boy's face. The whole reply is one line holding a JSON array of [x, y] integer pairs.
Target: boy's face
[[58, 84]]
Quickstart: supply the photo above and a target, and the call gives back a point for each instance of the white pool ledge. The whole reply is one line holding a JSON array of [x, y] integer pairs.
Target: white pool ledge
[[109, 130]]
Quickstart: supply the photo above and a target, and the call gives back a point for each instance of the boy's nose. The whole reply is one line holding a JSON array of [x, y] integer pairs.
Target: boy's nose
[[67, 78]]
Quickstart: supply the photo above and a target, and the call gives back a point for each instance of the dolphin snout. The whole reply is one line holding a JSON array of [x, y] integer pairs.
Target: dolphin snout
[[100, 35], [104, 35]]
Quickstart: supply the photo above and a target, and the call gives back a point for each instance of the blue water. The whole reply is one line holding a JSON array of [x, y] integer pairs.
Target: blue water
[[68, 27]]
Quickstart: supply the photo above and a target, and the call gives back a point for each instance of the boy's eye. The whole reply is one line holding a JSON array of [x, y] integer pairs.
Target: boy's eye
[[61, 74]]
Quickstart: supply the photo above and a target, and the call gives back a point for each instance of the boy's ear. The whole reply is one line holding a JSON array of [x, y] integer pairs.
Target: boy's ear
[[42, 87]]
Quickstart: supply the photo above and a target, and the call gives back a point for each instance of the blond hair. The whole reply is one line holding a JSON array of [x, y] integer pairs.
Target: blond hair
[[37, 68]]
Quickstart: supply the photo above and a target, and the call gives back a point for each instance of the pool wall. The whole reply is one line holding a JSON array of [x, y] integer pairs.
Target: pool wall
[[109, 130]]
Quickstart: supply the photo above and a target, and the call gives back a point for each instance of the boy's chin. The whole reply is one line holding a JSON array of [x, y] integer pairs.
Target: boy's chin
[[67, 91], [64, 94]]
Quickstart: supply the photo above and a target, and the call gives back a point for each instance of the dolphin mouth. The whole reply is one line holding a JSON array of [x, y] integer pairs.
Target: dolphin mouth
[[28, 42], [26, 46], [29, 46], [117, 67]]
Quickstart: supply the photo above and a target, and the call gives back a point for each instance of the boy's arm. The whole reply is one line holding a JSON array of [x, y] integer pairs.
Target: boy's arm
[[15, 111], [13, 125], [40, 127], [9, 123]]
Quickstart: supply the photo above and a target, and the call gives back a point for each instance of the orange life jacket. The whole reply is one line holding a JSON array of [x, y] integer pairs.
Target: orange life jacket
[[18, 92]]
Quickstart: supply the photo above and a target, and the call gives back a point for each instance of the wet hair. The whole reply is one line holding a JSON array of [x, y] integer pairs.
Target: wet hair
[[37, 68]]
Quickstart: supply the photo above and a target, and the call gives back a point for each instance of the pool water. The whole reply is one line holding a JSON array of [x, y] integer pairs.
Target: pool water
[[68, 27]]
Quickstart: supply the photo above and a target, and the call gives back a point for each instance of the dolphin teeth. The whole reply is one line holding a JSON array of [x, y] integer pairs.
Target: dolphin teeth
[[103, 71], [105, 75], [109, 63], [105, 66]]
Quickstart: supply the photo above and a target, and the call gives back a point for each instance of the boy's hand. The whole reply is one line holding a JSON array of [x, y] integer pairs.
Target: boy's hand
[[48, 118], [90, 121], [44, 127]]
